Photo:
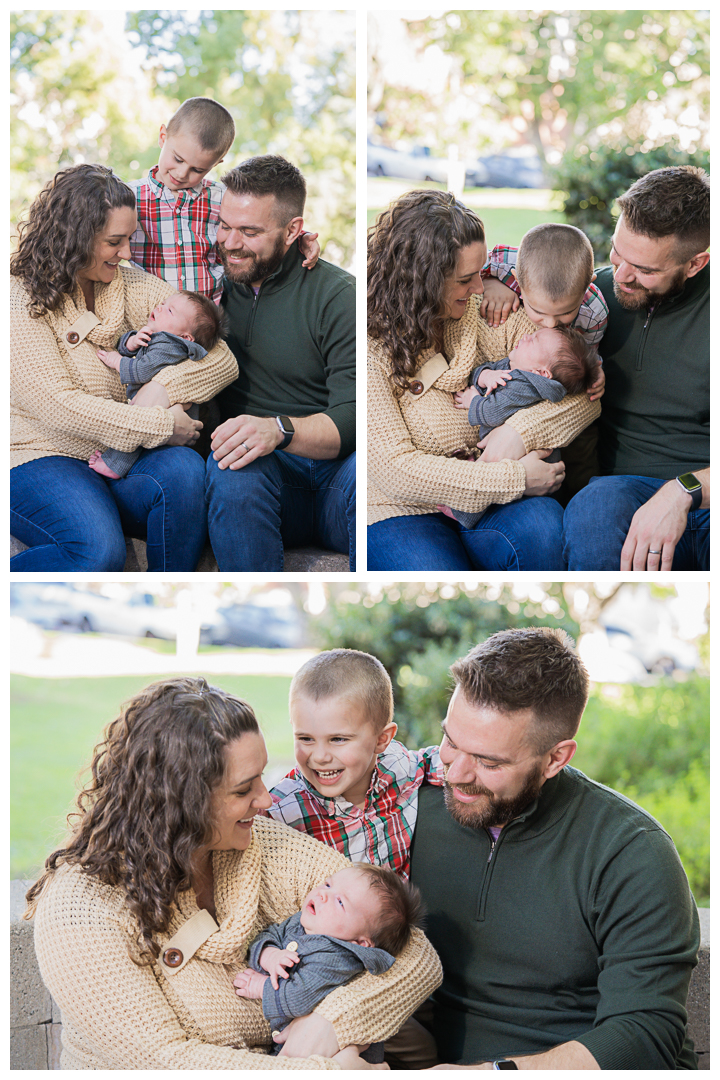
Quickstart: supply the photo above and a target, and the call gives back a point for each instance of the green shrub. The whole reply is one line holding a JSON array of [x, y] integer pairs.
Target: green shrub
[[591, 183]]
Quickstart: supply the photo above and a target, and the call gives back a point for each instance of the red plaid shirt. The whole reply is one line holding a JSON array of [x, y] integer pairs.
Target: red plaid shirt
[[379, 832], [592, 317], [176, 234]]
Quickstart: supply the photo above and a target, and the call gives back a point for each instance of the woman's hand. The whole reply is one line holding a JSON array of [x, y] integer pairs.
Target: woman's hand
[[150, 395], [498, 301], [310, 248], [187, 431], [542, 477], [307, 1035], [349, 1058], [502, 442]]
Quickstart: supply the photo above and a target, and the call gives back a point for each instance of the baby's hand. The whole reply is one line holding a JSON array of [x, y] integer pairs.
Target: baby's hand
[[497, 302], [490, 379], [310, 248], [462, 398], [138, 339], [275, 961], [597, 389], [110, 358], [249, 983]]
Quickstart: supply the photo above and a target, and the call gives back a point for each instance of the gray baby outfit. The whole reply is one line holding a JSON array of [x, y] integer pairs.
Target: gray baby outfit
[[523, 389], [138, 368]]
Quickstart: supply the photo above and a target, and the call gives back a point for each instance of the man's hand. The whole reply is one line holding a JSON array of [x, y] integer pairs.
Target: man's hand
[[307, 242], [598, 387], [498, 301], [241, 439], [142, 337], [250, 984], [110, 358], [276, 961], [462, 398], [307, 1035], [655, 530], [350, 1059], [502, 442]]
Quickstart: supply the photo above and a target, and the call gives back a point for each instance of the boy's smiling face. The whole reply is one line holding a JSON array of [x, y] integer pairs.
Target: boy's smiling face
[[183, 162], [336, 745]]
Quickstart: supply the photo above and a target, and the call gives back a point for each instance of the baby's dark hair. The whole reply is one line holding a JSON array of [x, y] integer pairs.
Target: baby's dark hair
[[576, 364], [210, 322], [401, 908]]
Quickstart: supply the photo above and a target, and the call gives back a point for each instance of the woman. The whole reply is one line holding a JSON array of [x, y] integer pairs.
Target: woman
[[425, 255], [143, 919], [69, 296]]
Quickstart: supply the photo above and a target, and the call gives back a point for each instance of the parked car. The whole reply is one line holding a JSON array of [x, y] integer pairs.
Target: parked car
[[416, 164], [518, 170], [260, 625], [55, 606]]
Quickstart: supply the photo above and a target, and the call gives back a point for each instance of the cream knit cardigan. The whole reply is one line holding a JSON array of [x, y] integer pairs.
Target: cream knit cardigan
[[64, 401], [411, 440], [117, 1015]]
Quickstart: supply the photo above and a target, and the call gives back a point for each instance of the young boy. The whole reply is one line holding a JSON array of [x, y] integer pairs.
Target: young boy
[[358, 920], [186, 326], [178, 208], [544, 366], [354, 787]]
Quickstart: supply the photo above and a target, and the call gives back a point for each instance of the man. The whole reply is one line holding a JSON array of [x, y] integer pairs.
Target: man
[[282, 470], [560, 910], [650, 508]]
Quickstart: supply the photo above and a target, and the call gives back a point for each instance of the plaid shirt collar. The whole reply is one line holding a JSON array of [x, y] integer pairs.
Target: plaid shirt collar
[[341, 807], [165, 193]]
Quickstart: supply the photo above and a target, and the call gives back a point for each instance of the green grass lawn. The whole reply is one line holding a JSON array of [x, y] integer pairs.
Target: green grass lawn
[[502, 226], [57, 722]]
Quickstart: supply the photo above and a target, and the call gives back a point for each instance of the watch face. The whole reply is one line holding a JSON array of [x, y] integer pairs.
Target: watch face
[[506, 1065], [689, 481]]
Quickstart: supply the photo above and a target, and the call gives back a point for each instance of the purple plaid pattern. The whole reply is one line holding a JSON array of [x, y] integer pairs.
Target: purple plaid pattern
[[379, 832]]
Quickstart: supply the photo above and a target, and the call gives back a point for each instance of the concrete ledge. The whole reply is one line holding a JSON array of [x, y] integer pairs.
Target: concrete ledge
[[299, 560]]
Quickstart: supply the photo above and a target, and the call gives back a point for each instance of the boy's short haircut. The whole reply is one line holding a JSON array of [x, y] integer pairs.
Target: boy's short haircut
[[348, 673], [209, 324], [401, 908], [555, 261], [535, 668], [576, 365], [270, 174], [674, 201], [208, 120]]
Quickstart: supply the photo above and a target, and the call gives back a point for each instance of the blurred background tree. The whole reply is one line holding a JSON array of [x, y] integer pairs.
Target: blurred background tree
[[92, 86]]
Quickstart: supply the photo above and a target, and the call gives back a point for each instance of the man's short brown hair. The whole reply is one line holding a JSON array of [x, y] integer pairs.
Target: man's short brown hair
[[674, 201], [555, 261], [348, 673], [270, 174], [576, 365], [533, 668], [401, 908], [208, 121]]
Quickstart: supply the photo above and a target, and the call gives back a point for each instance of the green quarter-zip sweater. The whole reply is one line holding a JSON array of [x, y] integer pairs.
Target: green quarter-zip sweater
[[655, 418], [295, 345], [577, 925]]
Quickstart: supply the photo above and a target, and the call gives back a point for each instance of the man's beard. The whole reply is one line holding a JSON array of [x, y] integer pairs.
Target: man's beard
[[641, 297], [256, 270], [493, 810]]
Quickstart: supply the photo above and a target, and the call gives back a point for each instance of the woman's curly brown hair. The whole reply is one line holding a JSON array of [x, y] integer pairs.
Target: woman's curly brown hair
[[412, 249], [58, 238], [146, 811]]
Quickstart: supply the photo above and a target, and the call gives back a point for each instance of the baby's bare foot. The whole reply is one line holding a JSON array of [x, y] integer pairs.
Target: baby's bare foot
[[97, 464]]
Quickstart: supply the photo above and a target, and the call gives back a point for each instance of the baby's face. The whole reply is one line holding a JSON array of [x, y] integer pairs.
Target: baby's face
[[548, 313], [536, 352], [174, 315], [345, 906]]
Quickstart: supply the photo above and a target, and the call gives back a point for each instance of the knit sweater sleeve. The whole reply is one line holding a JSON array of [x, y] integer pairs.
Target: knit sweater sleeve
[[118, 1006], [648, 937], [406, 474], [43, 386], [554, 423]]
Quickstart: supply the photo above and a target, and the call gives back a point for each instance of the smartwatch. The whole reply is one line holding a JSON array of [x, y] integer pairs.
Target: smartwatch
[[286, 429], [504, 1063], [692, 486]]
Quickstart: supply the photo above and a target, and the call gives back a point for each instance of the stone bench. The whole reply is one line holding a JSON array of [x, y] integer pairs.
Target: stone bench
[[35, 1021], [299, 560]]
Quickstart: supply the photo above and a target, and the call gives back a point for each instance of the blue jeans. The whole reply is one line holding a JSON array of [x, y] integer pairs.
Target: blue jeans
[[598, 518], [73, 519], [280, 500], [522, 535]]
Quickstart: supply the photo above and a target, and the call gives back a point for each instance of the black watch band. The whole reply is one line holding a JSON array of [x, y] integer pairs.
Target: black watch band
[[691, 485], [287, 430], [504, 1063]]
